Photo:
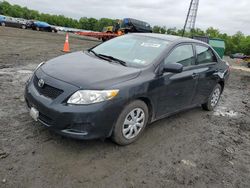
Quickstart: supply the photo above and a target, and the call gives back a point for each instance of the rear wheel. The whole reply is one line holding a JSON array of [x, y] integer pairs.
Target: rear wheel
[[213, 98], [131, 123]]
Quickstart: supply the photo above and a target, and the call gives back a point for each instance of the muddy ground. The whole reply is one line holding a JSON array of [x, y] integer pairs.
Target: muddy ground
[[191, 149]]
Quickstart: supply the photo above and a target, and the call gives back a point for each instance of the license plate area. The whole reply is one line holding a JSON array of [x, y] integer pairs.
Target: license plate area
[[34, 113]]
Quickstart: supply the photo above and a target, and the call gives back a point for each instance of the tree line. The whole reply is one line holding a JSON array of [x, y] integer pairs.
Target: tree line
[[235, 43], [60, 20]]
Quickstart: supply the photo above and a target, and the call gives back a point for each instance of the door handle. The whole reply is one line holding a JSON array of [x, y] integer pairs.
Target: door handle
[[195, 75]]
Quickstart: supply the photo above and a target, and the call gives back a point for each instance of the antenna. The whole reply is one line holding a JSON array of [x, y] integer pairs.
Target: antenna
[[191, 16]]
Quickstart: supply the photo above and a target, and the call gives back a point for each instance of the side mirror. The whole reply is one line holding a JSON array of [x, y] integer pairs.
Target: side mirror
[[173, 67]]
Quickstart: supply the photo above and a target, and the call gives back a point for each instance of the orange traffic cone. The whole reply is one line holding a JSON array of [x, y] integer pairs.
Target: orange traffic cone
[[66, 44]]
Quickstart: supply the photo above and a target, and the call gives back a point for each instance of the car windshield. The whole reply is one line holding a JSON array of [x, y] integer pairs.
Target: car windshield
[[135, 50]]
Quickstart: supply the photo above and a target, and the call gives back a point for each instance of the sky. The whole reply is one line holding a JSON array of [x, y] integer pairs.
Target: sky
[[228, 16]]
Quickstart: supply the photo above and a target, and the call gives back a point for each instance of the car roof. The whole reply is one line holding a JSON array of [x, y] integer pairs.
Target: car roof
[[171, 38]]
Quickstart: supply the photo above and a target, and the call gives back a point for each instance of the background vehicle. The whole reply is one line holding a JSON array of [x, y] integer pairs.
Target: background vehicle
[[108, 29], [135, 26], [245, 58], [127, 25], [237, 56], [12, 22], [42, 26], [2, 18]]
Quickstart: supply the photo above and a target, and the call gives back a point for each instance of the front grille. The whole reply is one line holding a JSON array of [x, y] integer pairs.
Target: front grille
[[47, 90]]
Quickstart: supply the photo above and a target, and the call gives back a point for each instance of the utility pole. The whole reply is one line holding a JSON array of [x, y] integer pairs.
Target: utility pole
[[191, 16]]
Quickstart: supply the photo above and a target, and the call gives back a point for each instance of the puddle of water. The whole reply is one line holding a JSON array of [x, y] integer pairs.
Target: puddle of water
[[225, 112]]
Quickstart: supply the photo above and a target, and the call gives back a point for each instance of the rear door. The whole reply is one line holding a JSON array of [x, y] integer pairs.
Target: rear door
[[176, 91], [206, 63]]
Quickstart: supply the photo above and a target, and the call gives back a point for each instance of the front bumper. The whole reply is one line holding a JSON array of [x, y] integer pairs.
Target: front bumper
[[75, 121]]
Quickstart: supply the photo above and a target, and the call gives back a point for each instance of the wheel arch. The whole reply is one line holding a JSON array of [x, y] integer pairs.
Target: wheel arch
[[148, 102], [222, 84], [149, 105]]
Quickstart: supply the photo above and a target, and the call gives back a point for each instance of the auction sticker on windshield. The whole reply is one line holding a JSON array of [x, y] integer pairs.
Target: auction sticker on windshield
[[152, 45]]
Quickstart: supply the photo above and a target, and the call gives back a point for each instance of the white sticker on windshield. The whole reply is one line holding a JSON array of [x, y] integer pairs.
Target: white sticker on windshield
[[152, 45], [139, 61]]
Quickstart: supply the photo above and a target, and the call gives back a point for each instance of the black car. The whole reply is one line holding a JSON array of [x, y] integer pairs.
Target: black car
[[12, 22], [41, 26], [118, 87]]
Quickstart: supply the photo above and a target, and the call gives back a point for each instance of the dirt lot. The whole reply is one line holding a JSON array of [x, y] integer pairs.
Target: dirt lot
[[192, 149]]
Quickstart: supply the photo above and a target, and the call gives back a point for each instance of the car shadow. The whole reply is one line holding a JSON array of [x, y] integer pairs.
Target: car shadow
[[74, 145]]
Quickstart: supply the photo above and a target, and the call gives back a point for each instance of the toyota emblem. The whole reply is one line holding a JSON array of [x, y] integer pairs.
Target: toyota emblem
[[41, 83]]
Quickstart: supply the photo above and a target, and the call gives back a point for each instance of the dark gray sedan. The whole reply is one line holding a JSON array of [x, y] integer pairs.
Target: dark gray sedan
[[118, 87], [13, 22]]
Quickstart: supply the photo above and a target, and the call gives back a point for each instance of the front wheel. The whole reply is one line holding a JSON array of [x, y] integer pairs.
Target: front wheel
[[213, 98], [131, 123]]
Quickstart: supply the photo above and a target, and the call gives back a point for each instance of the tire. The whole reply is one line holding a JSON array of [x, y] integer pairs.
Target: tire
[[3, 24], [125, 133], [213, 98]]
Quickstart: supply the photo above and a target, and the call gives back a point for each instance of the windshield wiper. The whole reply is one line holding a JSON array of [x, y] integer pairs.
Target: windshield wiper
[[97, 55], [108, 58], [114, 59]]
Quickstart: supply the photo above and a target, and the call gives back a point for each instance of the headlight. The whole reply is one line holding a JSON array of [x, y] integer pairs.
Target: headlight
[[92, 96]]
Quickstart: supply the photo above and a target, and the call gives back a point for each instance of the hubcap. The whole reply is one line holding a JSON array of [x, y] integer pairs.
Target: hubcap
[[133, 123], [215, 97]]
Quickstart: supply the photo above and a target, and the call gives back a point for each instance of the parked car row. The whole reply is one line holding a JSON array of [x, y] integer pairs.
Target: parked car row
[[26, 24]]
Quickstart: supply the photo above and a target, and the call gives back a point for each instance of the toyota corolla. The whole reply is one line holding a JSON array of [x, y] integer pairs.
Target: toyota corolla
[[118, 87]]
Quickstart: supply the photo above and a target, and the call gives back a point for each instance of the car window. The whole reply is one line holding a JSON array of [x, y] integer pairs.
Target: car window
[[183, 54], [205, 55]]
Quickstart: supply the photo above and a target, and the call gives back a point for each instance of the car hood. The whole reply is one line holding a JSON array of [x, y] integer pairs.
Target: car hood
[[87, 72]]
